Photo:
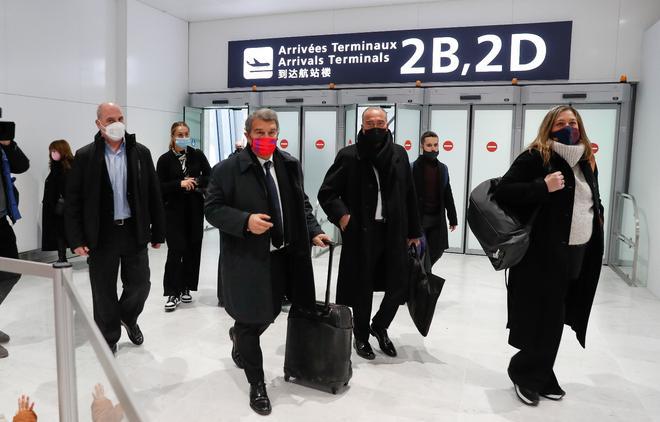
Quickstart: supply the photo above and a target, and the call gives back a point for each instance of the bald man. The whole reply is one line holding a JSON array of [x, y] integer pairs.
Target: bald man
[[113, 210]]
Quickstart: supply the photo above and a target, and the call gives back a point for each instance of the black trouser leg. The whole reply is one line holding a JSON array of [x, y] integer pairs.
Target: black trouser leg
[[103, 269], [374, 259], [173, 279], [389, 307], [191, 261], [361, 317], [8, 249], [61, 248], [247, 342], [433, 241], [135, 275]]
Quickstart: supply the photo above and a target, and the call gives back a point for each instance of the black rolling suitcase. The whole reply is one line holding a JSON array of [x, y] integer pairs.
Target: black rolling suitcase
[[318, 343]]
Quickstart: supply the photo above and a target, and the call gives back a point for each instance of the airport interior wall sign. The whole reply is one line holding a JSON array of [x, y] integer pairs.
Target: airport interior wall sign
[[535, 51]]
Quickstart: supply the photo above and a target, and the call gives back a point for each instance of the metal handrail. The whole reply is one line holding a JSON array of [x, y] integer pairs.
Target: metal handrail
[[66, 300], [628, 241]]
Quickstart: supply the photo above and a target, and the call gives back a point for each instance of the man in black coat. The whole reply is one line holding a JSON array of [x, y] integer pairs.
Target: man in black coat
[[113, 210], [12, 160], [257, 201], [369, 194], [434, 197]]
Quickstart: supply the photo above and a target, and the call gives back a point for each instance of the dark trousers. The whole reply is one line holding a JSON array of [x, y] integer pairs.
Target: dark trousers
[[247, 335], [8, 249], [392, 299], [433, 241], [61, 247], [532, 367], [120, 248], [182, 269]]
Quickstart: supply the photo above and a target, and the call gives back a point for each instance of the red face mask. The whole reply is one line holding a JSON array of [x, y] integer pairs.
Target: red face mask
[[263, 147]]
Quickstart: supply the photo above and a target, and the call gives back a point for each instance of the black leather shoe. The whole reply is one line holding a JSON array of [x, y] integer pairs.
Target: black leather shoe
[[555, 394], [259, 401], [363, 349], [113, 348], [384, 341], [134, 333], [234, 352]]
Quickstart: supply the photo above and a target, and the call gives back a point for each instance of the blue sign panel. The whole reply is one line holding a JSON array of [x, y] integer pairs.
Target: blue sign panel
[[477, 53]]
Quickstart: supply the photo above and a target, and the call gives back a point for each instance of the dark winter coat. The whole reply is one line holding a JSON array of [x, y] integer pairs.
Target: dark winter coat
[[535, 295], [52, 225], [89, 209], [18, 163], [350, 187], [237, 189], [446, 206], [184, 210]]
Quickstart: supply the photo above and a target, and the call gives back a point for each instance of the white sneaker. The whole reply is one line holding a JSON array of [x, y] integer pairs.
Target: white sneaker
[[172, 303], [185, 296]]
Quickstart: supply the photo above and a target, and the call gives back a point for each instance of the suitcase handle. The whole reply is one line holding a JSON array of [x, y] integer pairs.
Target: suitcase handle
[[331, 245]]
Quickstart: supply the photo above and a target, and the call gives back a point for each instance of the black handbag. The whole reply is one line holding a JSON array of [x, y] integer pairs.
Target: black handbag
[[501, 234], [424, 291], [59, 206]]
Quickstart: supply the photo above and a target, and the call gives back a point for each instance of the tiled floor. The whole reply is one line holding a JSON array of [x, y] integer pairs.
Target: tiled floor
[[458, 373]]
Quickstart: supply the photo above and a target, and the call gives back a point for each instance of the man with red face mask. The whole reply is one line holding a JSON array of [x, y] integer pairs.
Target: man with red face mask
[[267, 228]]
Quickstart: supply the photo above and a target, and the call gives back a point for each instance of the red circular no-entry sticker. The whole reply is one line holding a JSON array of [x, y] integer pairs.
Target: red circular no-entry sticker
[[491, 146], [407, 145], [594, 147], [350, 142], [284, 143], [448, 145], [320, 144]]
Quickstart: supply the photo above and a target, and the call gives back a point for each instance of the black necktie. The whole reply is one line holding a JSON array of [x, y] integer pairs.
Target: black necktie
[[276, 232]]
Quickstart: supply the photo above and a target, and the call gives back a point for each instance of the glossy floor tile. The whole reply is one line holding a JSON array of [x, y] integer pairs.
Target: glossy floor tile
[[184, 372]]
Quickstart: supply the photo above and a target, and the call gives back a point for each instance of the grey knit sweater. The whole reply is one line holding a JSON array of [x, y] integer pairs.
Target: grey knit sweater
[[583, 213]]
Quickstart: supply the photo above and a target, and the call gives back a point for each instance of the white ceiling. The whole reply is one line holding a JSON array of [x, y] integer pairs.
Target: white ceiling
[[204, 10]]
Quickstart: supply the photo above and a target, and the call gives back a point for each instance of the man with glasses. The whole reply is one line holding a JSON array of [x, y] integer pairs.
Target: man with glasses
[[267, 227], [368, 193]]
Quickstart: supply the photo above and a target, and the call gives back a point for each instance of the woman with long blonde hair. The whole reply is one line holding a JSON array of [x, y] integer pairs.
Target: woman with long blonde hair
[[555, 283]]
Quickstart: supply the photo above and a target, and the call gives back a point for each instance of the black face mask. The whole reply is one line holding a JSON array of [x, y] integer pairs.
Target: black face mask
[[370, 141], [430, 155]]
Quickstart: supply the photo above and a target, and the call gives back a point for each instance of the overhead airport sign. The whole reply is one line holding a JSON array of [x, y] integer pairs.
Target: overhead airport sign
[[477, 53]]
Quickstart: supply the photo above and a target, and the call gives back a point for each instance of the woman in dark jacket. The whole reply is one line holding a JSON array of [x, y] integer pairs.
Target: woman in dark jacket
[[556, 281], [53, 236], [184, 174], [434, 197]]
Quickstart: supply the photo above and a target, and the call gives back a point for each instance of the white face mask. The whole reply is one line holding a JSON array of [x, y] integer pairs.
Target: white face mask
[[115, 131]]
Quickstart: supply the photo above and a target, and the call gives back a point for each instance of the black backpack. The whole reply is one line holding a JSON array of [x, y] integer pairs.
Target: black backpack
[[502, 235]]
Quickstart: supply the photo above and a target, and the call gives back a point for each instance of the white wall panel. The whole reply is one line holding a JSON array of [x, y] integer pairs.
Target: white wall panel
[[151, 128], [157, 59], [644, 161]]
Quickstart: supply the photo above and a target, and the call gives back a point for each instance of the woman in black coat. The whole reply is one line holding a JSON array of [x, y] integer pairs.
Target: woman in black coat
[[53, 235], [556, 281], [184, 174], [434, 197]]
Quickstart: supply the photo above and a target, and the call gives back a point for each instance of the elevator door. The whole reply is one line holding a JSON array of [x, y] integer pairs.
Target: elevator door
[[601, 124], [490, 146], [222, 129], [451, 124], [319, 149], [194, 118], [475, 144], [289, 136], [408, 121]]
